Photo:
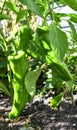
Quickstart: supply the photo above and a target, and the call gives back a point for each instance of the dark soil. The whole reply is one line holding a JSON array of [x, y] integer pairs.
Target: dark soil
[[39, 115]]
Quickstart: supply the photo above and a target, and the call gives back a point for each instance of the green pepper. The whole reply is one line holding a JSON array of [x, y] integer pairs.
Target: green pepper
[[24, 37], [19, 67], [42, 36]]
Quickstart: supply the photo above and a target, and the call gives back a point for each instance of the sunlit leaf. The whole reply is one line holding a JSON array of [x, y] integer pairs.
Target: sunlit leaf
[[4, 16], [58, 42], [20, 15], [73, 17], [4, 88], [55, 101], [62, 71], [69, 85], [11, 6], [71, 3], [73, 30], [30, 81], [32, 6]]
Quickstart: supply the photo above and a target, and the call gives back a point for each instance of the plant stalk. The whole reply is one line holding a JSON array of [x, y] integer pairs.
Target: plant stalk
[[3, 7]]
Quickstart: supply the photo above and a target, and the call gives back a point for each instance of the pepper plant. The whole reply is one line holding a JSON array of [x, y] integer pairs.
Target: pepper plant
[[49, 44]]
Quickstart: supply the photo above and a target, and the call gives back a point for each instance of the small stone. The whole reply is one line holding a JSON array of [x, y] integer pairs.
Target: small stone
[[28, 128], [23, 128], [7, 120], [2, 109], [74, 124]]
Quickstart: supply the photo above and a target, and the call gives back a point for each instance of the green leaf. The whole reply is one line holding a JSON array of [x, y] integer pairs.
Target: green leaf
[[35, 51], [58, 42], [2, 43], [56, 81], [71, 3], [50, 57], [20, 15], [70, 85], [32, 54], [4, 16], [3, 36], [2, 40], [23, 2], [11, 6], [73, 17], [4, 88], [3, 67], [32, 6], [62, 71], [42, 42], [43, 5], [30, 81], [55, 101], [73, 30]]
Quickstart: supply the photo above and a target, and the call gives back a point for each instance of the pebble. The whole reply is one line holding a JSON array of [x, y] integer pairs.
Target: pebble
[[6, 120], [23, 128], [46, 101], [2, 109], [74, 124], [28, 128]]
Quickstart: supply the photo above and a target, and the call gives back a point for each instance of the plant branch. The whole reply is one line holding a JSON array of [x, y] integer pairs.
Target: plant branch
[[51, 10], [3, 7]]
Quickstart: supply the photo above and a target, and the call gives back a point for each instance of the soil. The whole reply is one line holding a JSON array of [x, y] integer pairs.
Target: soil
[[38, 115]]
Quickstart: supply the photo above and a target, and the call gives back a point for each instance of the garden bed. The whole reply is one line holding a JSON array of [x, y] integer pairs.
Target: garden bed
[[39, 115]]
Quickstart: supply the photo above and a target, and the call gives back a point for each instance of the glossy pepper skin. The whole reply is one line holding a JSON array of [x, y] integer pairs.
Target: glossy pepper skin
[[19, 67]]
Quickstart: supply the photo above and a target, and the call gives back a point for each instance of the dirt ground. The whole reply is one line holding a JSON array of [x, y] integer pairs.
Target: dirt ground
[[39, 115]]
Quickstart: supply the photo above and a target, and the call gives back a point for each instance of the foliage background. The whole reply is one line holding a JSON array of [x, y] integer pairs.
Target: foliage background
[[47, 45]]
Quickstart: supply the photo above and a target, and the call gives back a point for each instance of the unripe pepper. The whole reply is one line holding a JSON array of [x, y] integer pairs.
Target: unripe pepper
[[24, 37], [19, 67]]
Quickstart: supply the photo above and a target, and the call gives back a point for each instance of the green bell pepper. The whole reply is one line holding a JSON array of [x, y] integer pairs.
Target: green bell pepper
[[19, 67]]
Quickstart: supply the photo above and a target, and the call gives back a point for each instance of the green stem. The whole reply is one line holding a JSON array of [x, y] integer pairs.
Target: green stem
[[53, 18], [51, 10], [72, 97], [3, 7], [10, 80]]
